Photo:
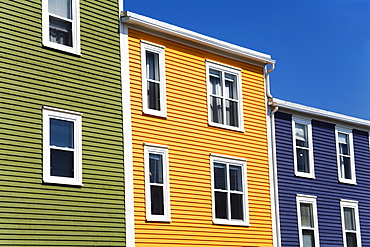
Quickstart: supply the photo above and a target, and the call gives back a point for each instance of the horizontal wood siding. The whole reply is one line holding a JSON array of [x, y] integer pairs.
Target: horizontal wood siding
[[191, 141], [37, 214], [326, 186]]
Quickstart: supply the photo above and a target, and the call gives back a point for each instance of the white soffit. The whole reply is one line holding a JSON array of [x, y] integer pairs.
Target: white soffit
[[159, 26], [321, 113]]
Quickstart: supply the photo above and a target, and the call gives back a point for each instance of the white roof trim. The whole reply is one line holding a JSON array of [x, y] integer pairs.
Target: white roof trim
[[321, 113], [132, 18]]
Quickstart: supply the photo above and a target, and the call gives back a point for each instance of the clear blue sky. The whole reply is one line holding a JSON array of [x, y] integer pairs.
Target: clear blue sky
[[321, 47]]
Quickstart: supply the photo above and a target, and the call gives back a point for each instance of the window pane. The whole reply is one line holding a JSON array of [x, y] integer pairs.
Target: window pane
[[61, 133], [156, 168], [220, 176], [306, 215], [308, 238], [236, 206], [346, 166], [343, 144], [303, 160], [154, 96], [60, 31], [232, 113], [152, 66], [61, 163], [351, 239], [235, 173], [215, 78], [156, 195], [349, 219], [231, 90], [221, 205], [216, 110], [301, 135], [62, 8]]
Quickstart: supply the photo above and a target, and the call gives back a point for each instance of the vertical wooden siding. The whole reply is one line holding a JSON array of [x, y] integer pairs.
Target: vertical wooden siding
[[190, 142], [326, 186], [37, 214]]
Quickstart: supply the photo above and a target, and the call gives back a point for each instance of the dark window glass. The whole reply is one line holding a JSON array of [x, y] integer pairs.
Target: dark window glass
[[156, 168], [216, 110], [308, 238], [156, 194], [236, 206], [231, 90], [346, 164], [61, 163], [60, 31], [220, 176], [61, 133], [221, 205], [303, 160], [232, 113], [154, 96], [235, 173], [351, 239]]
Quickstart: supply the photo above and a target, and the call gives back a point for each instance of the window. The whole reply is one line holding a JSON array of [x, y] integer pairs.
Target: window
[[224, 96], [350, 223], [157, 183], [60, 25], [302, 146], [345, 157], [62, 161], [229, 190], [307, 221], [154, 81]]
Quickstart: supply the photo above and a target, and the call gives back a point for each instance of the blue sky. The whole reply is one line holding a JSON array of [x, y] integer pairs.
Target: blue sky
[[321, 48]]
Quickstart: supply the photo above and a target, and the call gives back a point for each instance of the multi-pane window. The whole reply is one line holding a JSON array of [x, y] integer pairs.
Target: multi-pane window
[[157, 183], [224, 89], [229, 191], [345, 157], [303, 151], [350, 223], [153, 76], [307, 221], [61, 24], [62, 146]]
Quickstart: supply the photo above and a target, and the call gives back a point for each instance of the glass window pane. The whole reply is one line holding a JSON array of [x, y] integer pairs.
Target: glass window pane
[[346, 166], [351, 239], [61, 133], [156, 168], [235, 173], [306, 215], [308, 238], [61, 163], [236, 206], [60, 31], [62, 8], [154, 96], [220, 176], [349, 219], [216, 110], [343, 143], [231, 90], [221, 205], [301, 135], [156, 196], [215, 78], [152, 66], [232, 113], [303, 160]]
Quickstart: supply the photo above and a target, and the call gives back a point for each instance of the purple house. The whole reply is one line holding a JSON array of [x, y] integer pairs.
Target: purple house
[[322, 174]]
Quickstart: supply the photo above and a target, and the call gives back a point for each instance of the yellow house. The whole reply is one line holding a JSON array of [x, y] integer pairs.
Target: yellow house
[[196, 145]]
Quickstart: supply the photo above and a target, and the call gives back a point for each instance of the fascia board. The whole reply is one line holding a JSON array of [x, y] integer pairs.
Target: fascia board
[[130, 18], [321, 113]]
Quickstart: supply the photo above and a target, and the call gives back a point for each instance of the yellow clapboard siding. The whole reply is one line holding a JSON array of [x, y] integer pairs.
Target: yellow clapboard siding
[[191, 140]]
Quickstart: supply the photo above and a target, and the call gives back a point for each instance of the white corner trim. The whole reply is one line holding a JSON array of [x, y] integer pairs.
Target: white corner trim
[[136, 19]]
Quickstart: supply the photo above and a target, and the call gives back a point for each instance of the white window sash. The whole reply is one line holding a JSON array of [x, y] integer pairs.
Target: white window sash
[[341, 170]]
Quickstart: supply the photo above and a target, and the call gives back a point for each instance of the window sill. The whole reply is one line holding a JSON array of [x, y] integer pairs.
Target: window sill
[[222, 126], [305, 175], [155, 113], [345, 181], [73, 50], [62, 181], [158, 220], [230, 222]]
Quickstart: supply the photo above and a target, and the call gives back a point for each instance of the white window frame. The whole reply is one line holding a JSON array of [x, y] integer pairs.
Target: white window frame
[[341, 178], [150, 148], [160, 50], [309, 199], [306, 122], [75, 117], [229, 160], [350, 204], [75, 49], [230, 70]]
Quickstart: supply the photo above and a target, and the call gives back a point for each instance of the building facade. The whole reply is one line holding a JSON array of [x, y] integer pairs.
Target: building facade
[[61, 152], [196, 149], [322, 176]]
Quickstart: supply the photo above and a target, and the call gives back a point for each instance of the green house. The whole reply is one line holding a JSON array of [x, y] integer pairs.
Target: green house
[[61, 138]]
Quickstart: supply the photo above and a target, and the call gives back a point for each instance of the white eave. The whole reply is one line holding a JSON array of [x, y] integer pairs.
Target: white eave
[[282, 104], [159, 26]]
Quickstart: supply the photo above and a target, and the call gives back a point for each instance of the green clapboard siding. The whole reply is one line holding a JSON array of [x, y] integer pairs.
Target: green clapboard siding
[[37, 214]]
